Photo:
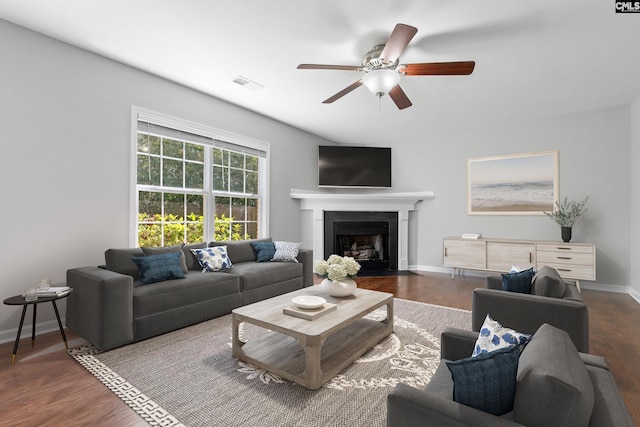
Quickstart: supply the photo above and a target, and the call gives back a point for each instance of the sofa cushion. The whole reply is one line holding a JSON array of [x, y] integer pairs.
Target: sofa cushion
[[488, 381], [553, 385], [494, 336], [190, 259], [548, 283], [157, 268], [213, 259], [168, 250], [172, 294], [258, 274], [240, 250], [286, 251], [119, 260], [518, 281], [264, 251]]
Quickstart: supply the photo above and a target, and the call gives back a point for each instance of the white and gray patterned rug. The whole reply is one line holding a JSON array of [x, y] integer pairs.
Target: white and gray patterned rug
[[188, 377]]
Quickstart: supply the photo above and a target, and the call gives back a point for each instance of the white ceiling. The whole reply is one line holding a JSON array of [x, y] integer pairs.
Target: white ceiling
[[533, 58]]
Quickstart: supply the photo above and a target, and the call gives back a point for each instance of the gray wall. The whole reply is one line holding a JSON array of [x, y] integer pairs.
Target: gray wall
[[634, 236], [594, 161], [64, 167]]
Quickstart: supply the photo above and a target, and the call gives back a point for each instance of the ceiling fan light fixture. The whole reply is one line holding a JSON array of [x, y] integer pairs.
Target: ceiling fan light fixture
[[380, 82]]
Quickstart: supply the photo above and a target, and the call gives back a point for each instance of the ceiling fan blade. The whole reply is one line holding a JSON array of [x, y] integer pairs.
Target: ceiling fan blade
[[329, 67], [439, 68], [398, 41], [343, 92], [399, 97]]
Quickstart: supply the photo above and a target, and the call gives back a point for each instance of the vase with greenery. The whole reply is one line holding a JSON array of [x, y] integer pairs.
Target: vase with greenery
[[566, 212]]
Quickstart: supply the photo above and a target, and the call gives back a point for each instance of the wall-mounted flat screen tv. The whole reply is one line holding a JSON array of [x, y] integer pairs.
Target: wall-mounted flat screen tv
[[340, 166]]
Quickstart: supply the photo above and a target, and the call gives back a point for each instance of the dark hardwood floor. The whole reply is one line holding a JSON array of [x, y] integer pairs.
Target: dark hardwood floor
[[46, 387]]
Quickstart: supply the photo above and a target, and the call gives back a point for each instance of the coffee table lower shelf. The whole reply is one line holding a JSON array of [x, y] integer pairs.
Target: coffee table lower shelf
[[312, 364]]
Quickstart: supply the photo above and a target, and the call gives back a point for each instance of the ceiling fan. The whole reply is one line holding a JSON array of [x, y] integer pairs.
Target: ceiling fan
[[383, 72]]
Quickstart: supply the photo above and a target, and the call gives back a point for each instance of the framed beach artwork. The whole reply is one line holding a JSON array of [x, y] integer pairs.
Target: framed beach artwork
[[520, 184]]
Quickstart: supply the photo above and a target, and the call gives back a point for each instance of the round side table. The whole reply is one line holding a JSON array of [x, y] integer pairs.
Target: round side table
[[19, 300]]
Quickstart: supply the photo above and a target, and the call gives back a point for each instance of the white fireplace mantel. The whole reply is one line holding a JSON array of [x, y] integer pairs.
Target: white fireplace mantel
[[315, 203]]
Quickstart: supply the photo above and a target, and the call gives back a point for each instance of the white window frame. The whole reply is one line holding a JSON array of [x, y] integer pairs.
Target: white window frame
[[139, 113]]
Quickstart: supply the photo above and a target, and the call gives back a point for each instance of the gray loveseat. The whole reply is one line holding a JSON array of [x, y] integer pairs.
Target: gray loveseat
[[555, 386], [525, 313], [109, 308]]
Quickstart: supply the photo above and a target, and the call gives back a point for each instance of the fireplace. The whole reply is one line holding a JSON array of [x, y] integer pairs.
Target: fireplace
[[315, 204], [371, 238]]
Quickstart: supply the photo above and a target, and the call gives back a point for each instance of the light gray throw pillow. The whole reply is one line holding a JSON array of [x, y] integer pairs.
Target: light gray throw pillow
[[553, 387], [548, 283]]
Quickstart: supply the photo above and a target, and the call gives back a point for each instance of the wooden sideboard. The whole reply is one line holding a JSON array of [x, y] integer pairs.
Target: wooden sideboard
[[576, 261]]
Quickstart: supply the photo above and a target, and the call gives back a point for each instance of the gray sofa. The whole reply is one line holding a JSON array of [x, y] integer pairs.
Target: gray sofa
[[109, 308], [527, 312], [554, 386]]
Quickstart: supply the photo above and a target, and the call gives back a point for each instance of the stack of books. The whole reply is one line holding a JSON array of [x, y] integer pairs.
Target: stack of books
[[54, 291]]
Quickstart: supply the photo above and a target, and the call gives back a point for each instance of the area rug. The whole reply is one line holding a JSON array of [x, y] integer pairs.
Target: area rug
[[189, 378]]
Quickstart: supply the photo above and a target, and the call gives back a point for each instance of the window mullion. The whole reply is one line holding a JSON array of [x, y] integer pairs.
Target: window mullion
[[209, 198]]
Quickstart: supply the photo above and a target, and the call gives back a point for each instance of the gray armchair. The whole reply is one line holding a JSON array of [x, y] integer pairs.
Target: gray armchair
[[545, 393], [527, 312]]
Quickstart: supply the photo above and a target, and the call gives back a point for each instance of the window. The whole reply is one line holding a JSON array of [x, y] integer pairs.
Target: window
[[192, 187]]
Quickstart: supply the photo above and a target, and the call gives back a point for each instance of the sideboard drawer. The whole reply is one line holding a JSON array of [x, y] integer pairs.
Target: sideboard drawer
[[572, 271], [557, 257], [566, 247]]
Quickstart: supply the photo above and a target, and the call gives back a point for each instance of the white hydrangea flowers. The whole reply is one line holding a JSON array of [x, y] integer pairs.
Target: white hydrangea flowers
[[337, 268]]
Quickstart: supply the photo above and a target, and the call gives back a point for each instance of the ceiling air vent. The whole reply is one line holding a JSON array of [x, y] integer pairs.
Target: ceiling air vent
[[246, 83]]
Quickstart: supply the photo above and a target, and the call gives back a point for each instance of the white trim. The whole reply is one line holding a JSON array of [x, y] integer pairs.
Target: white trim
[[192, 127], [9, 335], [593, 286], [142, 114], [317, 202]]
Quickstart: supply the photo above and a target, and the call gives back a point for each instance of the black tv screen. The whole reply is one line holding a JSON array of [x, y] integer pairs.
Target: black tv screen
[[340, 166]]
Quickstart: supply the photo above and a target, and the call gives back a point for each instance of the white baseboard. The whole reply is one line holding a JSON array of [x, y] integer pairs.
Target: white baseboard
[[9, 335], [449, 270], [595, 286]]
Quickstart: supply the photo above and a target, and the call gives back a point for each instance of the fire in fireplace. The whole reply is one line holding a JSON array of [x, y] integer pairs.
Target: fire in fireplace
[[369, 237]]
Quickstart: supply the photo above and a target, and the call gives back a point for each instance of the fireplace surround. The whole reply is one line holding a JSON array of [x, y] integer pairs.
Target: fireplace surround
[[314, 204]]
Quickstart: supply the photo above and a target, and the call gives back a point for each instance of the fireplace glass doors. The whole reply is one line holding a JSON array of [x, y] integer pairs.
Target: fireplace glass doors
[[371, 238]]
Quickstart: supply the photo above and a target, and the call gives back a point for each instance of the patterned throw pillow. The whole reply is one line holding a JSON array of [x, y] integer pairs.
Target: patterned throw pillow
[[212, 259], [494, 336], [518, 282], [486, 382], [265, 250], [286, 251], [157, 268]]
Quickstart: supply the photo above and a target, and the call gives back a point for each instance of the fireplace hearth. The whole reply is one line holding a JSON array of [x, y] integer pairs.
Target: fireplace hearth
[[371, 238]]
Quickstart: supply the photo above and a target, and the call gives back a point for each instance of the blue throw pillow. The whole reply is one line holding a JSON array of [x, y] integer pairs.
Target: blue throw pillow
[[265, 250], [486, 382], [156, 268], [518, 282]]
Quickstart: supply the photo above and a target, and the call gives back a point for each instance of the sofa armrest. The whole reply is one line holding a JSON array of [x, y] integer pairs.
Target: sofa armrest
[[407, 406], [305, 256], [457, 343], [100, 308], [526, 313]]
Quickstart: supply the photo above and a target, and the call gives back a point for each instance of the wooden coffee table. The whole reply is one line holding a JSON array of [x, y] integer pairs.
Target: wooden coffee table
[[311, 352]]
